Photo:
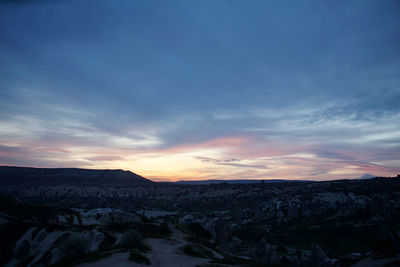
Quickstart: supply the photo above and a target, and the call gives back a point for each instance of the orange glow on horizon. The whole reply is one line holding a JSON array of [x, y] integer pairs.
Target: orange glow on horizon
[[228, 158]]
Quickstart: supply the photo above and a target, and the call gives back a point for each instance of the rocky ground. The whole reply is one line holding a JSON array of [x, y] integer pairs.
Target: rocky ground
[[336, 223]]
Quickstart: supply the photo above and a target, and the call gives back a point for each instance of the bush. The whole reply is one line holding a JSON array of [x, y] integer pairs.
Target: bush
[[199, 231], [164, 230], [154, 230], [224, 261], [189, 250], [138, 257], [383, 247], [133, 239], [250, 234], [74, 247]]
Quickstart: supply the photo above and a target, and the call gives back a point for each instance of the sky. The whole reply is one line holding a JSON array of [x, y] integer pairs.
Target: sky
[[190, 90]]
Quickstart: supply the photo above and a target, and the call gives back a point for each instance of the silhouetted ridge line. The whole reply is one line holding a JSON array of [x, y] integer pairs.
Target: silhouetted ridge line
[[242, 181], [19, 175]]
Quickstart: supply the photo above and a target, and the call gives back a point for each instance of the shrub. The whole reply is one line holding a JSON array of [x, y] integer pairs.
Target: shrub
[[133, 239], [383, 247], [199, 231], [138, 257], [189, 250], [154, 230], [74, 247]]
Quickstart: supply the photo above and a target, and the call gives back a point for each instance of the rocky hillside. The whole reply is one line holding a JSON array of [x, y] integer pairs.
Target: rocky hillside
[[334, 223], [55, 176]]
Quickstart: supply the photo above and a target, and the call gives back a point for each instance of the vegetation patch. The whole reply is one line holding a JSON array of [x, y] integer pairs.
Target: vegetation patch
[[203, 242], [335, 238], [154, 230], [96, 255], [138, 257], [107, 242], [132, 239], [197, 250], [250, 234], [189, 250], [74, 247], [230, 260]]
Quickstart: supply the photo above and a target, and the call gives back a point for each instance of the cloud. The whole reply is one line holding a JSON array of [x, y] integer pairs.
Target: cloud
[[105, 158], [252, 93], [208, 159], [230, 162], [240, 165]]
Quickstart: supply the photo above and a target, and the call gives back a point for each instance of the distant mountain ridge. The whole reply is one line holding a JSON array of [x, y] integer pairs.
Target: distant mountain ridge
[[243, 181], [10, 175]]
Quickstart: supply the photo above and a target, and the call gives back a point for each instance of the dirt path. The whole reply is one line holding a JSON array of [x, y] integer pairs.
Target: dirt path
[[164, 253]]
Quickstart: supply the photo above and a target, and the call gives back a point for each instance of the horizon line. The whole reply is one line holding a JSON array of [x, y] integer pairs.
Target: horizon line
[[204, 180]]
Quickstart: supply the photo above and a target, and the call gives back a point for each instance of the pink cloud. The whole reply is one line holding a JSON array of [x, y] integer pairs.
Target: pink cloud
[[104, 158], [51, 149]]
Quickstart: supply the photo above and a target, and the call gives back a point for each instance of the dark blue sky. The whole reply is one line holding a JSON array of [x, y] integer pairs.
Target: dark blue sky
[[202, 89]]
